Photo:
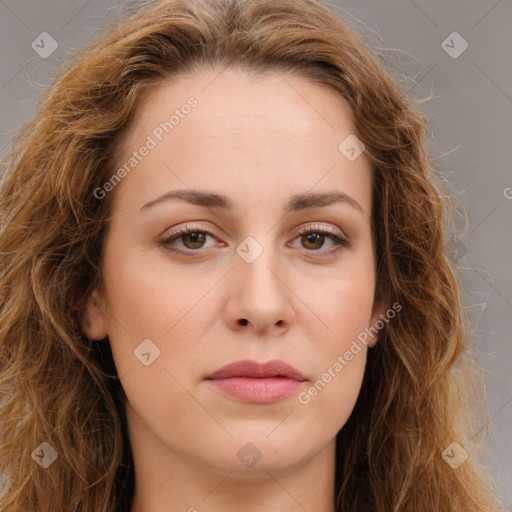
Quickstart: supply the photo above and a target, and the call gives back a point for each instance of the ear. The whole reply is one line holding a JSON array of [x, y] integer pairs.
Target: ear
[[377, 316], [93, 318]]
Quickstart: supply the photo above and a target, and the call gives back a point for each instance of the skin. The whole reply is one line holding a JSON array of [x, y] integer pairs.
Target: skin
[[257, 141]]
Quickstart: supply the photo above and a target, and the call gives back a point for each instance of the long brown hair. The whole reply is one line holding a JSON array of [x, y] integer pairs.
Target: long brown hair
[[59, 388]]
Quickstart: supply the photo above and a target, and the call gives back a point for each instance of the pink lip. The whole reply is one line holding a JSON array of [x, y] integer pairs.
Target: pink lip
[[254, 382]]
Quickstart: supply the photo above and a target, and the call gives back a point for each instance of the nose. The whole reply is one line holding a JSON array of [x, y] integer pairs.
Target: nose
[[259, 297]]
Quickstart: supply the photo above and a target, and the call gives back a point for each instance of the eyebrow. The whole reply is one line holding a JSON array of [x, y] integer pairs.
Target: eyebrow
[[295, 203]]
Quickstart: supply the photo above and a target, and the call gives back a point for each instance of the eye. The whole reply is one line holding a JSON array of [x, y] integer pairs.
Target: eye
[[314, 237], [193, 238]]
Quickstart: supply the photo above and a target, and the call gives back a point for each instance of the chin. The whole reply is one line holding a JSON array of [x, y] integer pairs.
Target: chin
[[251, 454]]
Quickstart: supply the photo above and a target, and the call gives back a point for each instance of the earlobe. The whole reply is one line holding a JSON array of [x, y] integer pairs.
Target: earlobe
[[93, 318], [376, 322]]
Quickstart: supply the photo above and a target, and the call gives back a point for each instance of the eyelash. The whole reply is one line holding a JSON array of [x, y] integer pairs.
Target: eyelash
[[340, 242]]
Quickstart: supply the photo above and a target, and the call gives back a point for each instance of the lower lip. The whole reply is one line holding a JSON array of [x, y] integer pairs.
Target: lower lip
[[256, 390]]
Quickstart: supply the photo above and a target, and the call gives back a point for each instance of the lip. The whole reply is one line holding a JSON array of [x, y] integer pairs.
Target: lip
[[255, 382]]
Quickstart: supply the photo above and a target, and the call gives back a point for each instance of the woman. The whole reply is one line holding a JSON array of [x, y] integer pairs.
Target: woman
[[175, 334]]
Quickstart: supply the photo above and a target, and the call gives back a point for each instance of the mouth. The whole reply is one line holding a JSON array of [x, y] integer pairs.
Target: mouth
[[254, 382]]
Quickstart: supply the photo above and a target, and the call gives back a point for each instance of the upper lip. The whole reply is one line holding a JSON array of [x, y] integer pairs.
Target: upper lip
[[248, 368]]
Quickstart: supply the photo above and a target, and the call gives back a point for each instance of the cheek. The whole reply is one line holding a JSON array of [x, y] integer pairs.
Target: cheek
[[146, 301], [338, 326], [339, 351], [329, 400], [341, 309], [149, 296]]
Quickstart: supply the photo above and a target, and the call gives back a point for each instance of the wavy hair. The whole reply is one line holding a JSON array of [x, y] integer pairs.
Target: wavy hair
[[422, 389]]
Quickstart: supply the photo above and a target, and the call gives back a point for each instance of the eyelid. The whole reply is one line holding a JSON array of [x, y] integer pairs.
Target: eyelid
[[314, 227], [336, 235], [176, 233], [300, 230]]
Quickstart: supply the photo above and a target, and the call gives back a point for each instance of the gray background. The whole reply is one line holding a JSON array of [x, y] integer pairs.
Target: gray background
[[470, 109]]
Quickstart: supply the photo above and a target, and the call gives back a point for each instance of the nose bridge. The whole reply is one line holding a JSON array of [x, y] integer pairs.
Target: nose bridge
[[256, 256]]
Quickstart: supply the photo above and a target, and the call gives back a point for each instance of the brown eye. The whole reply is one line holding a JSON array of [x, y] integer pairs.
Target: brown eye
[[313, 239], [192, 239]]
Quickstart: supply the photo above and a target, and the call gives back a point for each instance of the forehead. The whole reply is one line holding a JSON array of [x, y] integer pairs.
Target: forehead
[[277, 132], [280, 100]]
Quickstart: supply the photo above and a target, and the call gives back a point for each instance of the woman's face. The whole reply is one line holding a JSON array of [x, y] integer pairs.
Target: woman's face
[[255, 161]]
